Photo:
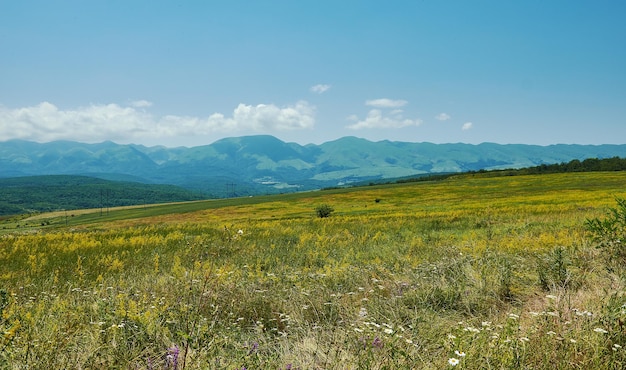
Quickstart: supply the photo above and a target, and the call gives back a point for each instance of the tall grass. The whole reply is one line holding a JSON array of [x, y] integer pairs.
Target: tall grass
[[475, 273]]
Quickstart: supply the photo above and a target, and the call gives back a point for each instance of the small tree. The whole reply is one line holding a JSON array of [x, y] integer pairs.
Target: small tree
[[324, 211], [609, 234]]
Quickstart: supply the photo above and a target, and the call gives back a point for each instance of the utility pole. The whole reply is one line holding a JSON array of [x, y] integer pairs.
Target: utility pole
[[230, 190], [108, 200]]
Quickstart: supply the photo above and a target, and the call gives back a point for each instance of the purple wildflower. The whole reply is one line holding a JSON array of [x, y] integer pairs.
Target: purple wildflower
[[377, 343], [253, 349], [172, 356]]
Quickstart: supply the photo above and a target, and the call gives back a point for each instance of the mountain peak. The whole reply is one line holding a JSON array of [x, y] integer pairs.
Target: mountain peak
[[266, 164]]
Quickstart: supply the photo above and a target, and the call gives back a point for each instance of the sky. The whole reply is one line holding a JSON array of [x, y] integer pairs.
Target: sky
[[190, 72]]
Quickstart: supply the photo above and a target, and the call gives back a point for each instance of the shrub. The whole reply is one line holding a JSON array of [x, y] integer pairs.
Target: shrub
[[553, 270], [609, 234], [324, 211]]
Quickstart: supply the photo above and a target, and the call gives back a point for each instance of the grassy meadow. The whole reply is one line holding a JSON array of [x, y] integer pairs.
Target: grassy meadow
[[470, 272]]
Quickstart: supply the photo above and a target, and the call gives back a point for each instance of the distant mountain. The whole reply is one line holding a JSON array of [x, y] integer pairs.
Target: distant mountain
[[264, 164]]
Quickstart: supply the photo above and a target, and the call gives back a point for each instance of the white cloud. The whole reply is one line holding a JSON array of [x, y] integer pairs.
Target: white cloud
[[94, 123], [45, 122], [442, 117], [467, 126], [376, 119], [264, 117], [141, 104], [320, 88], [386, 103]]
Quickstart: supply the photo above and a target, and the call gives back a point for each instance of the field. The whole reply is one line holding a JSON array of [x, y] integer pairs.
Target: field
[[469, 272]]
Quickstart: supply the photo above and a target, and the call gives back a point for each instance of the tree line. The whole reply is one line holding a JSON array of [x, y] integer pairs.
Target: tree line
[[576, 165]]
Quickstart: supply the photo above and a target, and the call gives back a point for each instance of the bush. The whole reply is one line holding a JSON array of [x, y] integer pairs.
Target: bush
[[324, 211], [609, 234], [553, 270]]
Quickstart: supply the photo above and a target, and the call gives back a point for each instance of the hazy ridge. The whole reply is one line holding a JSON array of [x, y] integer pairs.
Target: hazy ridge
[[264, 164]]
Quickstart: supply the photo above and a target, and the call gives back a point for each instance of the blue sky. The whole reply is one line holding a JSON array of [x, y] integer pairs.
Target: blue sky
[[191, 72]]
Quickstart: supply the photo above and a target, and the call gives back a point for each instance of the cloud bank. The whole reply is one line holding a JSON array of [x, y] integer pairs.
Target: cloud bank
[[46, 122]]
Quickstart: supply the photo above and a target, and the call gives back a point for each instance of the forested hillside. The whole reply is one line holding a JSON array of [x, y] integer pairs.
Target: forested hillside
[[49, 193]]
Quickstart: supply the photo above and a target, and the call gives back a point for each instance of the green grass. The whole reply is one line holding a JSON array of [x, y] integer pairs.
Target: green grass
[[498, 269]]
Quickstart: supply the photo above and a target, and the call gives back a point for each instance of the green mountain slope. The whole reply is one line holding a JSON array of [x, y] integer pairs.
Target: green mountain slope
[[49, 193], [263, 164]]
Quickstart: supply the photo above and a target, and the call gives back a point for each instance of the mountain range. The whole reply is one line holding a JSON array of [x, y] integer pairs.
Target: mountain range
[[264, 164]]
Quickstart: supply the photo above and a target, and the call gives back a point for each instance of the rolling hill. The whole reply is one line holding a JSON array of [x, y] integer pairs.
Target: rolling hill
[[22, 195], [264, 164]]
